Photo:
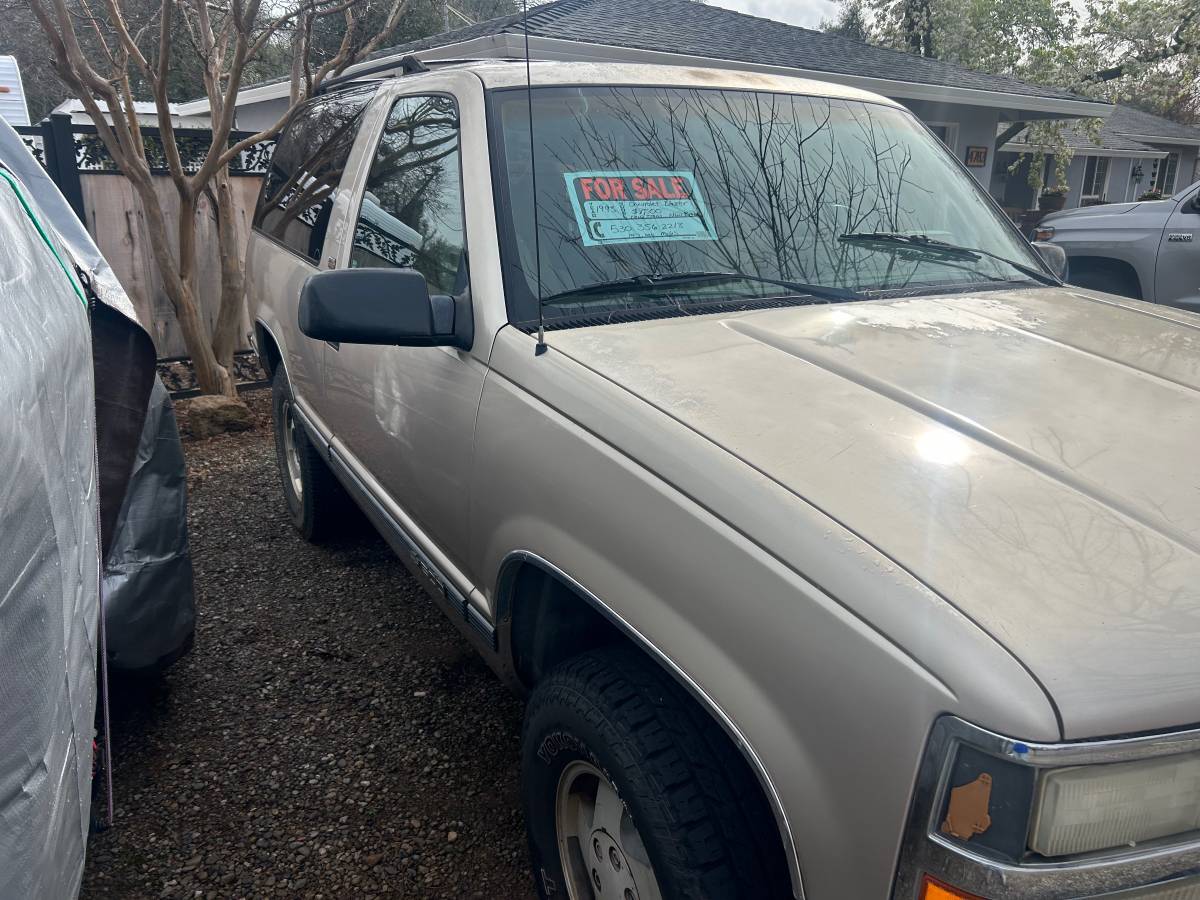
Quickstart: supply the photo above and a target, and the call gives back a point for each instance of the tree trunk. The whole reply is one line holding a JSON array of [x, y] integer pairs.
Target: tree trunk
[[212, 377], [232, 246]]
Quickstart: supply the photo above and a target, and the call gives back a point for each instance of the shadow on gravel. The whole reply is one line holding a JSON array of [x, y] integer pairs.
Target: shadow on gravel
[[329, 736]]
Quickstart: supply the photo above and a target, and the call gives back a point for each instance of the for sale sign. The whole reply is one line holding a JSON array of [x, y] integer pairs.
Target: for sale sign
[[638, 207]]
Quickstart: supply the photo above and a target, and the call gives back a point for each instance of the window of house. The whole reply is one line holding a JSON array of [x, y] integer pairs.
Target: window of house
[[1095, 178], [412, 212], [1166, 173], [306, 168], [947, 132]]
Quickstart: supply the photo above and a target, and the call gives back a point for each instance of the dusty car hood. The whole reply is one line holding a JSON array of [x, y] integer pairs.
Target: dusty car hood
[[1032, 455]]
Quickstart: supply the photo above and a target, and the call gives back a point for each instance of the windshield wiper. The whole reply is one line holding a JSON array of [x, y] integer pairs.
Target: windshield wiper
[[923, 242], [656, 279]]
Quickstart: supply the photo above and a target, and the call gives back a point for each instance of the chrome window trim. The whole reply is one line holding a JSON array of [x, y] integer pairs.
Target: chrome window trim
[[925, 850]]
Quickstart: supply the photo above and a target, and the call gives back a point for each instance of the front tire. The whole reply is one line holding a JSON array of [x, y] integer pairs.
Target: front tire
[[317, 503], [632, 792]]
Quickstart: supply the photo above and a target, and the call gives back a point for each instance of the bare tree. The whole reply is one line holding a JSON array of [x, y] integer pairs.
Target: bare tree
[[226, 38]]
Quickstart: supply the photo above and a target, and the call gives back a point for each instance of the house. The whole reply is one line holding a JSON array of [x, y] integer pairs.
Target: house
[[1134, 152], [146, 111], [966, 109]]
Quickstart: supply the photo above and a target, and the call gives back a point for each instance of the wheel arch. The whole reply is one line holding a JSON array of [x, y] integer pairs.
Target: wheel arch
[[1087, 262], [513, 615], [270, 354]]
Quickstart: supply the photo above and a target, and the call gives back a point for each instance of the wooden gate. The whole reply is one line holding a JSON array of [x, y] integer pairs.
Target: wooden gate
[[104, 199]]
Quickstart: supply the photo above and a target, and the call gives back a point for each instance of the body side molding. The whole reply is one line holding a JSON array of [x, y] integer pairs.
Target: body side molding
[[406, 545]]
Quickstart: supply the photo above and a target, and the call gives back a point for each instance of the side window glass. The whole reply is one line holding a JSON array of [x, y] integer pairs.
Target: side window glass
[[411, 215], [306, 168]]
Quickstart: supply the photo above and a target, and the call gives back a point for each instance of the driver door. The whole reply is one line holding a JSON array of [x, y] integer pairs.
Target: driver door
[[406, 415], [1177, 271]]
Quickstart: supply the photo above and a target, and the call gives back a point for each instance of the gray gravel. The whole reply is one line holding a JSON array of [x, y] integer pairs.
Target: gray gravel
[[330, 736]]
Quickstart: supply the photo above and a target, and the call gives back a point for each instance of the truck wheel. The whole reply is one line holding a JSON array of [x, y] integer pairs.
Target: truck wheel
[[315, 500], [631, 792]]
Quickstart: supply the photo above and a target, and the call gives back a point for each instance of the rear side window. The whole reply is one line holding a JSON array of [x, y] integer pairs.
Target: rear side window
[[412, 211], [306, 168]]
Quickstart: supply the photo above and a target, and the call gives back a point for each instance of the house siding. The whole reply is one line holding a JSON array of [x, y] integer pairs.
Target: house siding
[[976, 127], [1120, 187], [1189, 157], [257, 116]]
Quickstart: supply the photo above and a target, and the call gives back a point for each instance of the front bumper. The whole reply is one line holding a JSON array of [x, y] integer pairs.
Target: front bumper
[[1168, 869]]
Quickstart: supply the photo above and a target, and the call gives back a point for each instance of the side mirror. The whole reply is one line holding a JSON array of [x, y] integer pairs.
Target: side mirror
[[381, 306], [1054, 256]]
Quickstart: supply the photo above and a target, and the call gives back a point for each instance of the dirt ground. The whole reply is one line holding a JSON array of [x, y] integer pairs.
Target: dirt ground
[[330, 735]]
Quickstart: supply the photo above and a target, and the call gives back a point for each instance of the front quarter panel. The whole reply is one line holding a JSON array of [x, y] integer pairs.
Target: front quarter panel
[[1131, 237], [836, 709]]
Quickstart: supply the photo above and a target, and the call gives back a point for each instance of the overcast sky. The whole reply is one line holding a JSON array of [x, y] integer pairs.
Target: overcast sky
[[795, 12]]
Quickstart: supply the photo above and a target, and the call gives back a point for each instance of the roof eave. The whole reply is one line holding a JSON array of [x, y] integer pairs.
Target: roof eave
[[485, 47], [1157, 139], [1017, 147], [508, 45], [906, 90]]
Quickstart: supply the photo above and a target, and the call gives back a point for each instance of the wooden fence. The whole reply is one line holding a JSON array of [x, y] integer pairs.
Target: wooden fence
[[104, 200]]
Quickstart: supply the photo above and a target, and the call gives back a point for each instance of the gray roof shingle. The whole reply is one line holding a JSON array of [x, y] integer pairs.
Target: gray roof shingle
[[1126, 128], [1125, 120], [696, 29]]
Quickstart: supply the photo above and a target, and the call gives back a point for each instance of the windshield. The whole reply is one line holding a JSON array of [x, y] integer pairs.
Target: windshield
[[643, 194]]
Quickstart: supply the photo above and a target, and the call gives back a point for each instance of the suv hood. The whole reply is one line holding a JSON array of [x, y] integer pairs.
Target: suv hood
[[1031, 455]]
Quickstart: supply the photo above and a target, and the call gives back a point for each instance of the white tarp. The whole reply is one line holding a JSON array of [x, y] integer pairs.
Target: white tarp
[[49, 559]]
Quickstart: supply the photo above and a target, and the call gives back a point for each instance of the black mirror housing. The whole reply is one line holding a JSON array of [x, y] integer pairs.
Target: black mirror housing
[[381, 306]]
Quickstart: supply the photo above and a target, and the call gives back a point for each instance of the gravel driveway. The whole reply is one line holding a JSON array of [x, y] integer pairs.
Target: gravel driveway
[[330, 736]]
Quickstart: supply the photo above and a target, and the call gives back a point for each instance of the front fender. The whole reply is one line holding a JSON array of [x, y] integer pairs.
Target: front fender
[[834, 714]]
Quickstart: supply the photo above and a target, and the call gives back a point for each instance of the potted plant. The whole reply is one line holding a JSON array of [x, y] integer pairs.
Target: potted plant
[[1152, 194], [1053, 199]]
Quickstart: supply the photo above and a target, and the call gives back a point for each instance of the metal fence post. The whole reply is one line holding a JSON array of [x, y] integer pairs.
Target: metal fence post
[[58, 143]]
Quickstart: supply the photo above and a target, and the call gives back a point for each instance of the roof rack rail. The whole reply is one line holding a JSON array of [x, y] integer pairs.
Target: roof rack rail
[[407, 65]]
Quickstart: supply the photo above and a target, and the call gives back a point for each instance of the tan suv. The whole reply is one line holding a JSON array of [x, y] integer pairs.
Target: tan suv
[[843, 551]]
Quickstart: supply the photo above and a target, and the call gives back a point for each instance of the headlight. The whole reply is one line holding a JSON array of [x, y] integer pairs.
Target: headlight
[[1008, 820], [1088, 808]]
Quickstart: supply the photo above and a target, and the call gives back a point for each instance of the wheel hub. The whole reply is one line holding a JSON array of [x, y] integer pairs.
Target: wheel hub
[[611, 875], [603, 856], [291, 453]]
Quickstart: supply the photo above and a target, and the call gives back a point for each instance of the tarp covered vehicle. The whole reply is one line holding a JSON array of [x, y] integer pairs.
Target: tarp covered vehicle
[[92, 472]]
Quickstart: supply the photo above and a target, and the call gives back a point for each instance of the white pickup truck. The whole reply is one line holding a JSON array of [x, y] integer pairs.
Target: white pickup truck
[[1148, 250]]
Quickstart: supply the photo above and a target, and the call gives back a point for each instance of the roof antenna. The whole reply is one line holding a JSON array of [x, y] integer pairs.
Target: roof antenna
[[537, 248]]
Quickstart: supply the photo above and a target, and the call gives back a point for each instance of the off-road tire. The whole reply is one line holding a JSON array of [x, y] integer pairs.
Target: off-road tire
[[323, 507], [689, 792]]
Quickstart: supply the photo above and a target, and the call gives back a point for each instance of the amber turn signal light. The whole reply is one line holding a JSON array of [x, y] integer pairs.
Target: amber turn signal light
[[932, 889]]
